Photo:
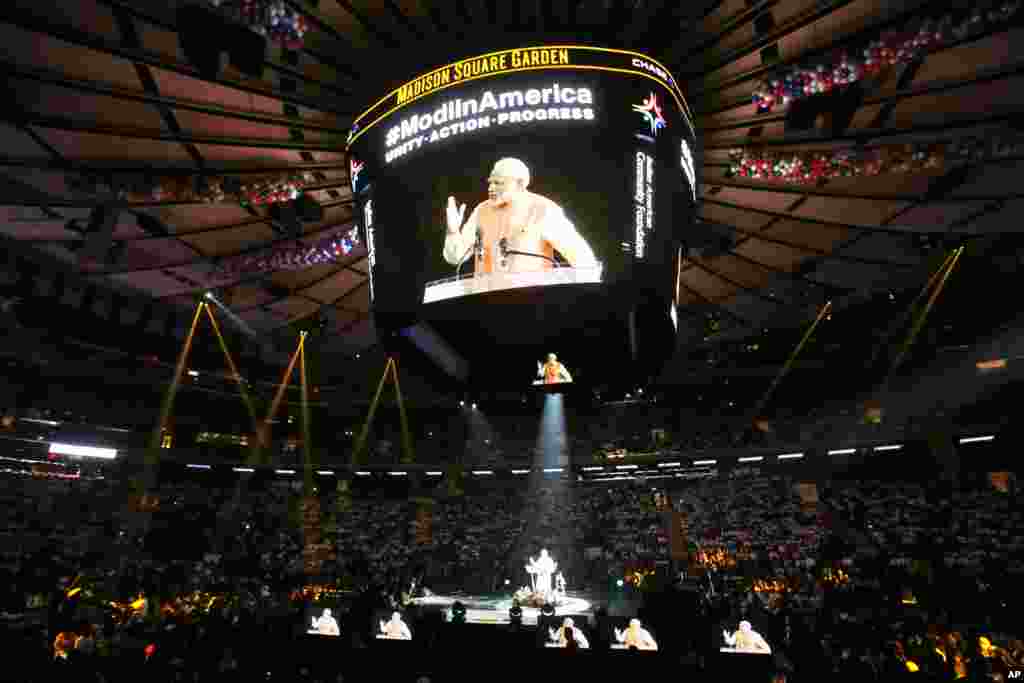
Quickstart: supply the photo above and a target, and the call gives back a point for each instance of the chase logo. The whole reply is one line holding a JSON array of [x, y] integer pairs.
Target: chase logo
[[652, 68]]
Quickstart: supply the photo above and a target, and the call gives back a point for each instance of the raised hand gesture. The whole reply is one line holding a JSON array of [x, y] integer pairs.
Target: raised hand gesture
[[455, 214]]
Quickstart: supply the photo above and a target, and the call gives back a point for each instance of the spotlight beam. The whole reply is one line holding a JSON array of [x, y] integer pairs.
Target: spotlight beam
[[784, 370], [234, 372], [168, 402], [923, 315], [276, 403], [365, 431], [307, 446], [407, 456], [908, 314]]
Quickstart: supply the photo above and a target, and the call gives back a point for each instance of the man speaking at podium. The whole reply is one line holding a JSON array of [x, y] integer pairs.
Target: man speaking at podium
[[515, 230]]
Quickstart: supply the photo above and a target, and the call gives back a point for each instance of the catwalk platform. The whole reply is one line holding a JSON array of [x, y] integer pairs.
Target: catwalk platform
[[493, 609]]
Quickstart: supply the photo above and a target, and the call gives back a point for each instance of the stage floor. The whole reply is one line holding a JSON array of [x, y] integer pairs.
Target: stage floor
[[493, 609]]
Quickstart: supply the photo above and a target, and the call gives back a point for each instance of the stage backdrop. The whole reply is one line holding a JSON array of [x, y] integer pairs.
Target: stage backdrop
[[605, 136]]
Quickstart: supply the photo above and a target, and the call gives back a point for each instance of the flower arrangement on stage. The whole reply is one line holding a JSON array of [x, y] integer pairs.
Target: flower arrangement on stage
[[140, 189], [271, 18], [528, 597], [888, 50], [815, 167], [295, 256]]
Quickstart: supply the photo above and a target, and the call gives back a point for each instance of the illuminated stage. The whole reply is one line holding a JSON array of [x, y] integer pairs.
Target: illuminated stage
[[482, 609]]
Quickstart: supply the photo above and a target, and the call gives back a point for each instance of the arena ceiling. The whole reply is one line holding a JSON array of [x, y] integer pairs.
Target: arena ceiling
[[105, 86]]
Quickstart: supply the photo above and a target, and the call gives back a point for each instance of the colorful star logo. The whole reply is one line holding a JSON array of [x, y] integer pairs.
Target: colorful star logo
[[355, 167], [651, 111]]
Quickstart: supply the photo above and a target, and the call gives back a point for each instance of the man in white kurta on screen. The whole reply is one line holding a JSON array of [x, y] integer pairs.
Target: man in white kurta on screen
[[396, 629], [517, 219], [326, 625]]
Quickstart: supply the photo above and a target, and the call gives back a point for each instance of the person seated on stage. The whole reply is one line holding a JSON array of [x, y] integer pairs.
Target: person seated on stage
[[568, 632], [636, 637], [746, 639], [326, 625], [396, 629]]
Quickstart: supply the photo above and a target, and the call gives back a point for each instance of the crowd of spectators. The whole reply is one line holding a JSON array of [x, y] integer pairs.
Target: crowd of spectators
[[216, 558]]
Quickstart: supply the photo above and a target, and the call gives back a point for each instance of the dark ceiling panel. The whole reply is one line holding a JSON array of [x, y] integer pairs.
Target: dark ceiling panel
[[850, 211], [17, 144], [819, 237], [94, 146], [35, 49], [745, 220], [1004, 220], [772, 201], [183, 220], [994, 97], [332, 288], [963, 61], [993, 180], [46, 99], [230, 241], [938, 216]]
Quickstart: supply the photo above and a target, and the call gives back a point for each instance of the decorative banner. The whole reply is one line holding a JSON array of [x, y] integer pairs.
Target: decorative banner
[[273, 19], [294, 256], [815, 167], [888, 50]]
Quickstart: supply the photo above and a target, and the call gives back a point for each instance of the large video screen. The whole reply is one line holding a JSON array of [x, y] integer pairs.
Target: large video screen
[[524, 168]]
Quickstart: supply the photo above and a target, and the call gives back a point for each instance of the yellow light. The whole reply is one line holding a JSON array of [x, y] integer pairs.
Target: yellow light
[[73, 592], [911, 667], [139, 604], [674, 91]]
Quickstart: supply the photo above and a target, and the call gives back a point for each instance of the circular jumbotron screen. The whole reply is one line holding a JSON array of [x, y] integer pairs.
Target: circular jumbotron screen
[[524, 169]]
